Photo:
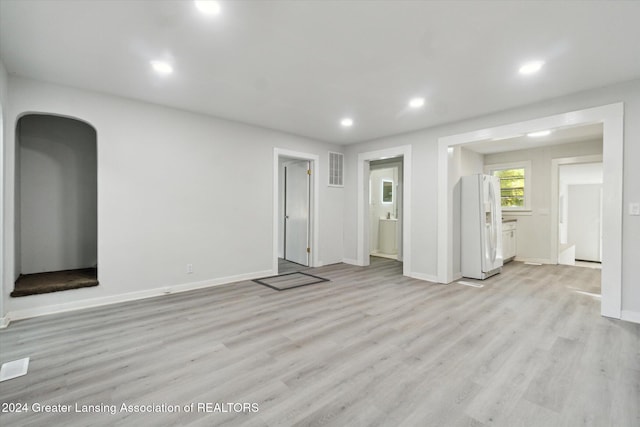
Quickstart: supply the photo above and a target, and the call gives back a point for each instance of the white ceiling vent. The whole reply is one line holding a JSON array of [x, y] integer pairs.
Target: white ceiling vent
[[336, 169]]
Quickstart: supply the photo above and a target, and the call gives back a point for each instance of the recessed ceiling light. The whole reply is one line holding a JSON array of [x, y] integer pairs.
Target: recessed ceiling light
[[539, 134], [162, 67], [346, 122], [531, 67], [209, 7], [416, 102]]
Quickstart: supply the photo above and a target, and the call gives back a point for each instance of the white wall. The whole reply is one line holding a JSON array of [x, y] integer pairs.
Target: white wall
[[534, 238], [425, 166], [174, 187], [462, 162], [58, 196]]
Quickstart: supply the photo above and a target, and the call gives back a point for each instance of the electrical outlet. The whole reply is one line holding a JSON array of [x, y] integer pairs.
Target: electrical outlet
[[189, 268], [634, 209]]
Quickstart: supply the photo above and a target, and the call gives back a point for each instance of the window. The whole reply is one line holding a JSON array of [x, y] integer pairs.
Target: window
[[514, 184]]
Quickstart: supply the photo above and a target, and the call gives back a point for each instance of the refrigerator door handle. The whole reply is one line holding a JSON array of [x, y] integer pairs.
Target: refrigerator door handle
[[493, 232]]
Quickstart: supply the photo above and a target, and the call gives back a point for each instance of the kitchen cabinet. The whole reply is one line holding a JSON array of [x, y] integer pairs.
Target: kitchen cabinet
[[509, 240]]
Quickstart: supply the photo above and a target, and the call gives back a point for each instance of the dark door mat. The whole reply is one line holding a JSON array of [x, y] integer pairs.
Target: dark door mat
[[283, 282], [54, 281]]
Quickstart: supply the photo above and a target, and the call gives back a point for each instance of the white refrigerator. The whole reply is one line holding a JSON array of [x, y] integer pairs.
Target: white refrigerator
[[481, 226]]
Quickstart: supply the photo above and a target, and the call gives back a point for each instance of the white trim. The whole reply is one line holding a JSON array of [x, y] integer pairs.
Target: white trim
[[315, 197], [363, 203], [4, 321], [350, 261], [612, 118], [630, 316], [131, 296], [555, 182], [526, 165]]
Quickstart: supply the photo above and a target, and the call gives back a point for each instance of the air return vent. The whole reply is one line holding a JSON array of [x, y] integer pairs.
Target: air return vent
[[336, 169]]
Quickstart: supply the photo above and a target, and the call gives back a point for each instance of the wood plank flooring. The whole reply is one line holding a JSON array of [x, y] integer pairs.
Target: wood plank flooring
[[369, 348], [285, 267]]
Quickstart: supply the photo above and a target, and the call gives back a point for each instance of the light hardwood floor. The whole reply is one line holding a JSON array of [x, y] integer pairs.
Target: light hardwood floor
[[369, 348], [285, 266]]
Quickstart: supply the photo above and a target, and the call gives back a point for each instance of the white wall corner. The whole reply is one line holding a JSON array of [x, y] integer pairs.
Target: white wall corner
[[350, 261], [630, 316]]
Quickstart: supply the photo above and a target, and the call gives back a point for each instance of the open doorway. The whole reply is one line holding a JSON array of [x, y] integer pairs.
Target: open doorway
[[385, 208], [295, 211], [610, 117], [396, 154], [580, 213], [56, 206], [295, 188]]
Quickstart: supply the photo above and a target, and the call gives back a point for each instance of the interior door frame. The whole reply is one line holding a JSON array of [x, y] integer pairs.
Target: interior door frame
[[612, 118], [364, 159], [314, 162], [399, 195]]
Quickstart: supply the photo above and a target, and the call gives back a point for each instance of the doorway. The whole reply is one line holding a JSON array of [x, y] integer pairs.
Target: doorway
[[295, 211], [579, 211], [56, 205], [363, 218], [385, 208], [611, 117]]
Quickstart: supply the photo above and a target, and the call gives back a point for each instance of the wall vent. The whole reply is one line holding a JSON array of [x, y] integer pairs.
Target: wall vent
[[336, 169]]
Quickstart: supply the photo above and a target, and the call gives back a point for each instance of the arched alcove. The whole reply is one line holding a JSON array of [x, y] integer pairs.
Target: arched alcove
[[56, 204]]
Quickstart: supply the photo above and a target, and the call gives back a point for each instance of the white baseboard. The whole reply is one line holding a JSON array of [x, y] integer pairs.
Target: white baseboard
[[130, 296], [630, 316], [4, 322], [427, 277], [350, 261]]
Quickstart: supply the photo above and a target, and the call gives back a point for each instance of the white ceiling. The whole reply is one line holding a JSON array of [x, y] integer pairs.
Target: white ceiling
[[564, 135], [300, 66]]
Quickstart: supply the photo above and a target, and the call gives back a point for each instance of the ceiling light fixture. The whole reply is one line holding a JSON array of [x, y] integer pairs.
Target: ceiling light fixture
[[346, 122], [208, 7], [416, 102], [539, 134], [162, 67], [531, 67]]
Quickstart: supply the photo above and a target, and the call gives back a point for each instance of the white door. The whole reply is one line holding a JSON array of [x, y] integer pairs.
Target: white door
[[296, 211], [583, 220]]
